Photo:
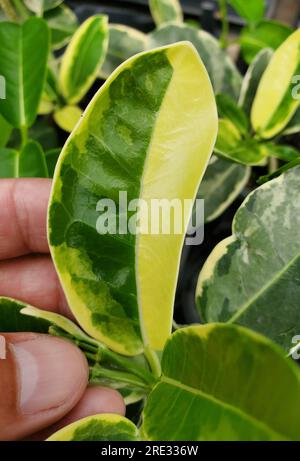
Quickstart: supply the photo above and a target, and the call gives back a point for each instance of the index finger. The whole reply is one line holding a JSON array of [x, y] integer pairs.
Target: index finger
[[23, 213]]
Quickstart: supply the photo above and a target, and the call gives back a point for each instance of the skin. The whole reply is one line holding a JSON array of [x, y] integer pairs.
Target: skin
[[34, 363]]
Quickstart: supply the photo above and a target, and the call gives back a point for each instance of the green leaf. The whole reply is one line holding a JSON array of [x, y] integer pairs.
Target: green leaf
[[124, 42], [8, 163], [11, 319], [231, 146], [40, 6], [281, 151], [83, 57], [265, 34], [67, 117], [224, 75], [274, 104], [131, 139], [252, 278], [62, 23], [164, 11], [293, 127], [32, 161], [222, 383], [51, 159], [222, 183], [98, 428], [5, 131], [252, 11], [252, 78], [23, 65], [228, 109]]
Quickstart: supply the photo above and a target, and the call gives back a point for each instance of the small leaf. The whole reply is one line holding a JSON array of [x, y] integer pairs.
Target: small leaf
[[40, 6], [32, 161], [274, 104], [222, 183], [164, 11], [67, 117], [83, 57], [252, 278], [231, 146], [282, 152], [124, 42], [11, 319], [62, 23], [252, 11], [223, 383], [9, 159], [23, 65], [224, 75], [265, 34], [228, 109], [5, 131], [252, 78], [98, 428], [45, 107]]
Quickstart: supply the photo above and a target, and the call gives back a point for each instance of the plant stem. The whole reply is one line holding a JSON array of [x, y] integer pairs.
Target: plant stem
[[97, 353], [24, 135], [273, 165], [225, 25], [154, 362], [130, 365], [100, 372], [8, 10]]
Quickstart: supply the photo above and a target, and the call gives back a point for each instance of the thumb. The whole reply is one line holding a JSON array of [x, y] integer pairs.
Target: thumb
[[41, 379]]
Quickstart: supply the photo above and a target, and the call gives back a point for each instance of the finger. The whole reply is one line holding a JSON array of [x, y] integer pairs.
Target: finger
[[96, 400], [23, 210], [41, 379], [33, 280]]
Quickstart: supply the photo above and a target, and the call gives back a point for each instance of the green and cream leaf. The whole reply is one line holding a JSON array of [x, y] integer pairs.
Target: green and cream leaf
[[116, 285], [63, 24], [274, 104], [252, 78], [252, 278], [11, 319], [83, 57], [223, 383], [98, 428], [124, 42], [224, 75], [164, 11]]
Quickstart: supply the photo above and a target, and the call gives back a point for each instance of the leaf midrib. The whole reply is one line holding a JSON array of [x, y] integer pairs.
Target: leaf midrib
[[225, 405], [21, 80], [263, 289]]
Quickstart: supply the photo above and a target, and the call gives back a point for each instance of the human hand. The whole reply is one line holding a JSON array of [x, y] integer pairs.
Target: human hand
[[43, 379]]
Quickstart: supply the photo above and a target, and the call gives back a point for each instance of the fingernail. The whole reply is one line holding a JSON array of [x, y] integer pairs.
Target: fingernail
[[50, 372]]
